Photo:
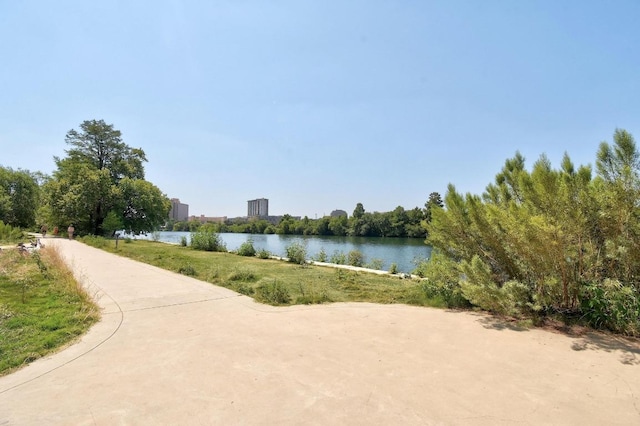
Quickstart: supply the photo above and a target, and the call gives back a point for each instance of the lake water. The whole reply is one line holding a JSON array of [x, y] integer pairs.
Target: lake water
[[401, 251]]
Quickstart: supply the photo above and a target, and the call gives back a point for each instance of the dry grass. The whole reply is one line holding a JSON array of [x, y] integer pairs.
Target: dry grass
[[42, 306]]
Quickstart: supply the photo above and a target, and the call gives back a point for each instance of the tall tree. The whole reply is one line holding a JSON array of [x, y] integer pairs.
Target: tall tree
[[435, 200], [19, 197], [103, 176], [101, 146]]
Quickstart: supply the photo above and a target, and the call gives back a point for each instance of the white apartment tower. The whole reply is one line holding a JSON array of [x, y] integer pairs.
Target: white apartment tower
[[258, 208]]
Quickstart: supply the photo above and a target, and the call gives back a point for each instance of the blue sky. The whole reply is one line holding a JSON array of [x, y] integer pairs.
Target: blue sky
[[319, 105]]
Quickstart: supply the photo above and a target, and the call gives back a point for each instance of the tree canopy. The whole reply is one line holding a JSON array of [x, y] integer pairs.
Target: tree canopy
[[19, 197], [103, 177]]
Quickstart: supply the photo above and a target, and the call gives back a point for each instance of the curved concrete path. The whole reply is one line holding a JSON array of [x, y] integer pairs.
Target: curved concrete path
[[171, 350]]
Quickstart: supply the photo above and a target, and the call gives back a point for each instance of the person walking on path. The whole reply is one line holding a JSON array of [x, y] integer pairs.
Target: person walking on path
[[71, 230], [43, 230]]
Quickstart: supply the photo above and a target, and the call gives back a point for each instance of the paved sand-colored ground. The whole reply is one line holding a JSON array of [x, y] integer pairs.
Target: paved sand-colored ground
[[171, 350]]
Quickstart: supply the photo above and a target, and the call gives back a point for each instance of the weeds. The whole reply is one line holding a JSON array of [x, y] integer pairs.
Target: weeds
[[243, 274], [188, 270], [274, 293], [263, 254], [42, 307]]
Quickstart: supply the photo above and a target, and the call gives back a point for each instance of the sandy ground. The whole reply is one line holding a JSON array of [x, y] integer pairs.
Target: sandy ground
[[171, 350]]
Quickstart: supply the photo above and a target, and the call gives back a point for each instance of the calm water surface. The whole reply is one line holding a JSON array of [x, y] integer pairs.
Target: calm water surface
[[402, 251]]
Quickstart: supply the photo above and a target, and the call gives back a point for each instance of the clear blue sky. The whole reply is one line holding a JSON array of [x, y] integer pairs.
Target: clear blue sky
[[319, 105]]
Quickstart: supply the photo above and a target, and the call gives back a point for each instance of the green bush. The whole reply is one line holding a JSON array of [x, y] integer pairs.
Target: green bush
[[207, 239], [321, 256], [183, 241], [10, 234], [247, 290], [339, 258], [247, 249], [441, 281], [393, 269], [297, 253], [611, 305], [187, 270], [263, 254], [94, 241], [355, 258], [273, 293], [376, 264], [479, 288], [243, 274]]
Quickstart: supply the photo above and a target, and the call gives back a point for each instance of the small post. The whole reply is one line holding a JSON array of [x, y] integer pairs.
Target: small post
[[117, 236]]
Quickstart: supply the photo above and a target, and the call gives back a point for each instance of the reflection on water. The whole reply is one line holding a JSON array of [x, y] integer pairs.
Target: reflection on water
[[402, 251]]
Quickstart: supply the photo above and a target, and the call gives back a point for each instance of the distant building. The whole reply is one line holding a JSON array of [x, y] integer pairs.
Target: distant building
[[258, 208], [179, 211], [338, 213], [204, 219]]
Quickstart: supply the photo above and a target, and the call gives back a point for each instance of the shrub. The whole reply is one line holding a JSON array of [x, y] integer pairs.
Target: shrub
[[339, 258], [356, 258], [9, 234], [321, 256], [441, 282], [263, 254], [376, 264], [393, 269], [479, 288], [183, 241], [244, 289], [94, 241], [187, 270], [207, 239], [274, 293], [421, 266], [247, 249], [243, 274], [611, 305], [297, 253]]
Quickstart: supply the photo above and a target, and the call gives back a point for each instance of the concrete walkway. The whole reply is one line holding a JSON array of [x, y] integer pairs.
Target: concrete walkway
[[171, 350]]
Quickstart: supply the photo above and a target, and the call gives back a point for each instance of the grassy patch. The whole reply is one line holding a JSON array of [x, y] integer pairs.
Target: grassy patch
[[275, 282], [42, 307]]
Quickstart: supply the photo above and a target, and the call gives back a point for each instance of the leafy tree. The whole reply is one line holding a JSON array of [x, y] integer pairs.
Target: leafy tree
[[435, 200], [358, 225], [100, 145], [338, 225], [413, 226], [397, 223], [102, 175], [286, 225], [19, 197]]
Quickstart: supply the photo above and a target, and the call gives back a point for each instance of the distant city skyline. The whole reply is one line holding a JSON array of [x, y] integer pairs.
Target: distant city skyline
[[319, 106]]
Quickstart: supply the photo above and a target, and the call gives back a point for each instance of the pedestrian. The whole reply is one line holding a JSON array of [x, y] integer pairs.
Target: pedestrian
[[55, 231], [43, 230], [70, 230]]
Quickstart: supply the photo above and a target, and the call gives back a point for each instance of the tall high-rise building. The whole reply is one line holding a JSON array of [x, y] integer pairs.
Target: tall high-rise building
[[259, 207], [179, 211]]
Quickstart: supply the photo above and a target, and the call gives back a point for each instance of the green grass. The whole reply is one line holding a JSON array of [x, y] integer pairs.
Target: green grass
[[42, 307], [275, 282]]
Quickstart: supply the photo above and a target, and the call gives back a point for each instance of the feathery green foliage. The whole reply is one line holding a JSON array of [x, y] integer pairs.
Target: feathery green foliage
[[550, 240]]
